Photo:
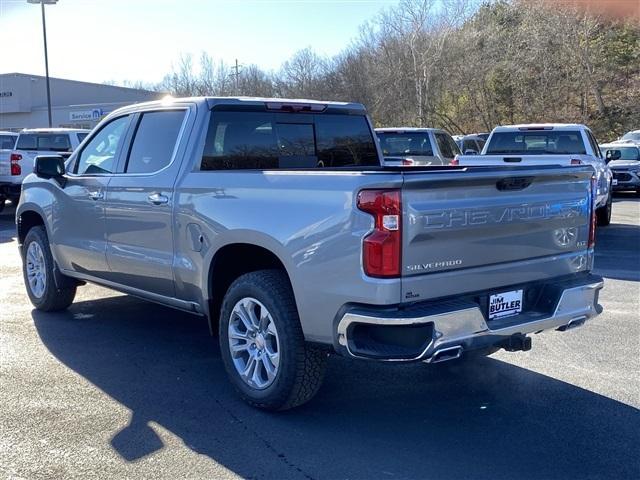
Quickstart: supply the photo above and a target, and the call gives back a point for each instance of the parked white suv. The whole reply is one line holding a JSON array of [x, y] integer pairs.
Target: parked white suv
[[18, 161], [548, 144]]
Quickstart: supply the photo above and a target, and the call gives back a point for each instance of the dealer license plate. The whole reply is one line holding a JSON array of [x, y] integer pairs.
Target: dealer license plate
[[505, 304]]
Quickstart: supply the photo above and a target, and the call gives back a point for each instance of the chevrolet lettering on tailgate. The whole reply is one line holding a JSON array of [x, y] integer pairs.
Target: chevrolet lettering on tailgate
[[484, 216]]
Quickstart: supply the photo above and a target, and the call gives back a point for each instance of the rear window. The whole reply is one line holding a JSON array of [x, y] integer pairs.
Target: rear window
[[56, 142], [626, 153], [536, 142], [7, 142], [405, 143], [261, 140]]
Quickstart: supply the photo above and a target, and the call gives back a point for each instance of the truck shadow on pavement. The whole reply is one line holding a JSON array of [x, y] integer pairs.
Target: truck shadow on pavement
[[482, 419], [7, 224]]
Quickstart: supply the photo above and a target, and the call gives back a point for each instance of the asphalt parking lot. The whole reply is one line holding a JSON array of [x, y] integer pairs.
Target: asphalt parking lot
[[119, 388]]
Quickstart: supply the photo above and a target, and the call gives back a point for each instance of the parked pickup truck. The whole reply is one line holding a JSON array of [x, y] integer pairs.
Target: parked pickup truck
[[548, 144], [275, 220], [17, 163]]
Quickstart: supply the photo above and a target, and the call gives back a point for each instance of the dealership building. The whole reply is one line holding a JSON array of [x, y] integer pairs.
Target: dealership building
[[23, 101]]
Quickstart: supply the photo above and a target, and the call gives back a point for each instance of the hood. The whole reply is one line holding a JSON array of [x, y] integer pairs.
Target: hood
[[624, 163]]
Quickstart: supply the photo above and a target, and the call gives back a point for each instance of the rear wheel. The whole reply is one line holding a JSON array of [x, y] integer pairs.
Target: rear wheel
[[2, 202], [37, 268], [603, 214], [262, 343]]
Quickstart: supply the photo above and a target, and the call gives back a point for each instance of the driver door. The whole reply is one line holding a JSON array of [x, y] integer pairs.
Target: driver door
[[79, 230]]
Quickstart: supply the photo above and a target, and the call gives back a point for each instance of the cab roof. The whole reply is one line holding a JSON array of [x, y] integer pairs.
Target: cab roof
[[540, 126], [288, 104]]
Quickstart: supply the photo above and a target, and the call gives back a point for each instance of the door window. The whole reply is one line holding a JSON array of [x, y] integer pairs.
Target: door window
[[154, 141], [447, 146], [99, 155], [594, 144]]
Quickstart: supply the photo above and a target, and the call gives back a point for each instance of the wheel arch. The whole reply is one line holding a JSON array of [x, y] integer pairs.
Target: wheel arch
[[26, 219], [230, 262]]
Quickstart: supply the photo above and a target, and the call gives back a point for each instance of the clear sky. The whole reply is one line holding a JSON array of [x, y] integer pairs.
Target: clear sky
[[101, 40]]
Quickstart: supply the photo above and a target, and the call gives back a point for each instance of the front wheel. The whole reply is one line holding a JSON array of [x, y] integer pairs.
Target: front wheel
[[37, 269], [262, 343], [603, 214]]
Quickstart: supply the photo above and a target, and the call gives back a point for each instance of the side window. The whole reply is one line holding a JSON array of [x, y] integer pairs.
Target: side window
[[81, 136], [154, 141], [99, 155], [444, 145], [594, 144]]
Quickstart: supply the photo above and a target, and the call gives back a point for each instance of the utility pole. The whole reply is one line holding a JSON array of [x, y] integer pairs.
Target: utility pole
[[236, 75], [46, 56]]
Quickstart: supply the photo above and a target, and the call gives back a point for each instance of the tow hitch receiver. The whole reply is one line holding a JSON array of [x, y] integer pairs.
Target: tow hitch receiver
[[517, 343]]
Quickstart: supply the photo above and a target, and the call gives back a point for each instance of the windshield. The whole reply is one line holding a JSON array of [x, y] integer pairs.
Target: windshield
[[537, 142], [403, 144], [635, 136], [626, 153], [55, 142]]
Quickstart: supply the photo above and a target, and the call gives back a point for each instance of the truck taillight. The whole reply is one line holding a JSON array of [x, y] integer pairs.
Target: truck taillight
[[455, 162], [15, 166], [575, 161], [381, 249], [592, 222]]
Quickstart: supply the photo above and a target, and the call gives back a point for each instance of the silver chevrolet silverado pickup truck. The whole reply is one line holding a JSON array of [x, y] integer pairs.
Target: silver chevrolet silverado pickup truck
[[276, 221]]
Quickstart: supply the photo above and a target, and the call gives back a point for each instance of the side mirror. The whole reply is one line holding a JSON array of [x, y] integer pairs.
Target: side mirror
[[49, 166], [613, 155], [469, 151]]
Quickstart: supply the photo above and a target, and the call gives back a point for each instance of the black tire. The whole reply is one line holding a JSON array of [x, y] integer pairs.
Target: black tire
[[52, 299], [301, 367], [603, 214], [2, 202]]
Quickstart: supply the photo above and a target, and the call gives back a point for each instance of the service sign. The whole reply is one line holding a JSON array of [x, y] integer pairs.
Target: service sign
[[94, 114]]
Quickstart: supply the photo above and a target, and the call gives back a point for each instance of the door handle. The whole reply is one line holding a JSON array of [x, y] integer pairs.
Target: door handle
[[158, 199], [95, 195]]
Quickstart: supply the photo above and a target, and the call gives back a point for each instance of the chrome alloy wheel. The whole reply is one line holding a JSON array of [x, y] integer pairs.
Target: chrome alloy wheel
[[254, 343], [36, 270]]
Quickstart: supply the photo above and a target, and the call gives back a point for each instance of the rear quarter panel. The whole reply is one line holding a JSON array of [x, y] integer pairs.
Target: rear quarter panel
[[309, 220]]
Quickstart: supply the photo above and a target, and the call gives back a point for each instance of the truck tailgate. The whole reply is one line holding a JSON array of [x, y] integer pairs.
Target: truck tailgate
[[481, 228]]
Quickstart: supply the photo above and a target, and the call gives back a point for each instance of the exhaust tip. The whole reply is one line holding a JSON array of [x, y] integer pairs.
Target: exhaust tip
[[573, 323], [445, 354]]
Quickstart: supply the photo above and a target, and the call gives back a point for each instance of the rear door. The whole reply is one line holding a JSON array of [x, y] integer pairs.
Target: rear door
[[139, 203], [467, 231]]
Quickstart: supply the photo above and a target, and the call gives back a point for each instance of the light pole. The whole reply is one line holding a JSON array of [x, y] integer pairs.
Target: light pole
[[46, 56]]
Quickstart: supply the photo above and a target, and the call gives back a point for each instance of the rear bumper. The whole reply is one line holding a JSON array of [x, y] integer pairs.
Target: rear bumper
[[438, 331]]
